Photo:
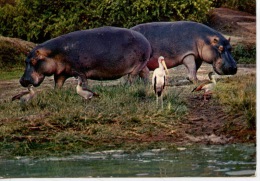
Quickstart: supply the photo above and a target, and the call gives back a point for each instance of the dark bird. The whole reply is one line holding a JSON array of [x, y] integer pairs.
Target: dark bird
[[159, 78], [207, 86], [25, 96], [83, 91]]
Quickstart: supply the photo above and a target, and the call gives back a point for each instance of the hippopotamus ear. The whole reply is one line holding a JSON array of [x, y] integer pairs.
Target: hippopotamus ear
[[42, 53]]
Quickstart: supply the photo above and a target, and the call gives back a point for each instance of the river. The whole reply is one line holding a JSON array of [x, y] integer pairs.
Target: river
[[237, 160]]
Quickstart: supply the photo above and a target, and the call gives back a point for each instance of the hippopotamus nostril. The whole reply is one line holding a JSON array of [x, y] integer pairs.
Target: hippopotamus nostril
[[25, 81], [233, 70], [229, 69]]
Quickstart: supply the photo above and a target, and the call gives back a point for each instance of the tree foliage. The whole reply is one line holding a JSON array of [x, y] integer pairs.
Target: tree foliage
[[40, 20]]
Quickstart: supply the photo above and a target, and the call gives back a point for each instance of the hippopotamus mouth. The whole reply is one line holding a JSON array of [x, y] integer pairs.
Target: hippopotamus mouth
[[225, 65], [36, 81], [223, 70], [218, 70]]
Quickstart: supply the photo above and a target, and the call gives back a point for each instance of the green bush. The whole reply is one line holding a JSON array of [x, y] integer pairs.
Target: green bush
[[39, 20], [244, 54]]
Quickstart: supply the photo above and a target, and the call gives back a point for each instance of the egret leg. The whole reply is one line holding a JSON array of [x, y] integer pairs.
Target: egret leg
[[157, 100], [162, 101]]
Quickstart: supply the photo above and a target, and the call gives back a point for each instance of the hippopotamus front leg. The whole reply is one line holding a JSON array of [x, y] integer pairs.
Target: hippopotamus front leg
[[59, 80], [192, 66]]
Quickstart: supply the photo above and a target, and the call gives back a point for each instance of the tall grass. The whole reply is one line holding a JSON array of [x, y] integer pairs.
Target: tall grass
[[239, 94]]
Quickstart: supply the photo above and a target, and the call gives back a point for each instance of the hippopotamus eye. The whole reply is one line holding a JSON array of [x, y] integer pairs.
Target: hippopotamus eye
[[220, 48], [33, 61]]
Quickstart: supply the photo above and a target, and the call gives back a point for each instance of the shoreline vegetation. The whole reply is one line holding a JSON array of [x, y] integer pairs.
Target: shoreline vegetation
[[59, 122]]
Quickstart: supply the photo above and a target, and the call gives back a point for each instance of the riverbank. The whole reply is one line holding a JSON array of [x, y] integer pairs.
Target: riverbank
[[59, 123]]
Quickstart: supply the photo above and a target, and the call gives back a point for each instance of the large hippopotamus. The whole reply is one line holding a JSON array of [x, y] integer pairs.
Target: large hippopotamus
[[105, 53], [188, 43]]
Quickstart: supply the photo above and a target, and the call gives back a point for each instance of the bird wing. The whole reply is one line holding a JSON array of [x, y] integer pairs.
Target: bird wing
[[200, 87], [154, 84], [18, 96], [86, 89], [164, 81]]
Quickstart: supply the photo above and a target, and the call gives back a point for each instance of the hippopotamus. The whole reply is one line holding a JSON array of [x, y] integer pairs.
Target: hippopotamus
[[105, 53], [189, 43]]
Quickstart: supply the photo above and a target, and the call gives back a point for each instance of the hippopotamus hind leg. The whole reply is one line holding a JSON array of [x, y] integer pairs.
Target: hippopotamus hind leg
[[144, 74]]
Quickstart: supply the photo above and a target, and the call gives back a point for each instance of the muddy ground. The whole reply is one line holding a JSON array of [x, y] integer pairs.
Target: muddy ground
[[209, 123]]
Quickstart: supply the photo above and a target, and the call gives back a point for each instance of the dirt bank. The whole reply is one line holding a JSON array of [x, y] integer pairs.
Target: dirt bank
[[240, 26]]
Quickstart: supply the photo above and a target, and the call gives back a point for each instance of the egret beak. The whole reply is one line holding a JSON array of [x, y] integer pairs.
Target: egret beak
[[165, 67]]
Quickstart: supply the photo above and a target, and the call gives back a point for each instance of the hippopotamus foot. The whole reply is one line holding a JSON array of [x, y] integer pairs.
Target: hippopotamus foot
[[190, 80], [189, 62]]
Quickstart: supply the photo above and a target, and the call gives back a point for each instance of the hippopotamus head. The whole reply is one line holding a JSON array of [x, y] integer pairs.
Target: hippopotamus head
[[38, 65], [219, 51]]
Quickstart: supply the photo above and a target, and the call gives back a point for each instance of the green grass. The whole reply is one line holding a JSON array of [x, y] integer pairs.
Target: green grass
[[238, 96], [60, 122], [11, 74]]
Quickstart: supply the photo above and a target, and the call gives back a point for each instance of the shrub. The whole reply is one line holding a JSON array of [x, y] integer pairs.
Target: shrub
[[40, 20], [244, 54]]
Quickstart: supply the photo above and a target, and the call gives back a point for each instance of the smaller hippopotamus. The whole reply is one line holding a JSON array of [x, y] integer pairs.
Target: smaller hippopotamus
[[105, 53], [188, 43]]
